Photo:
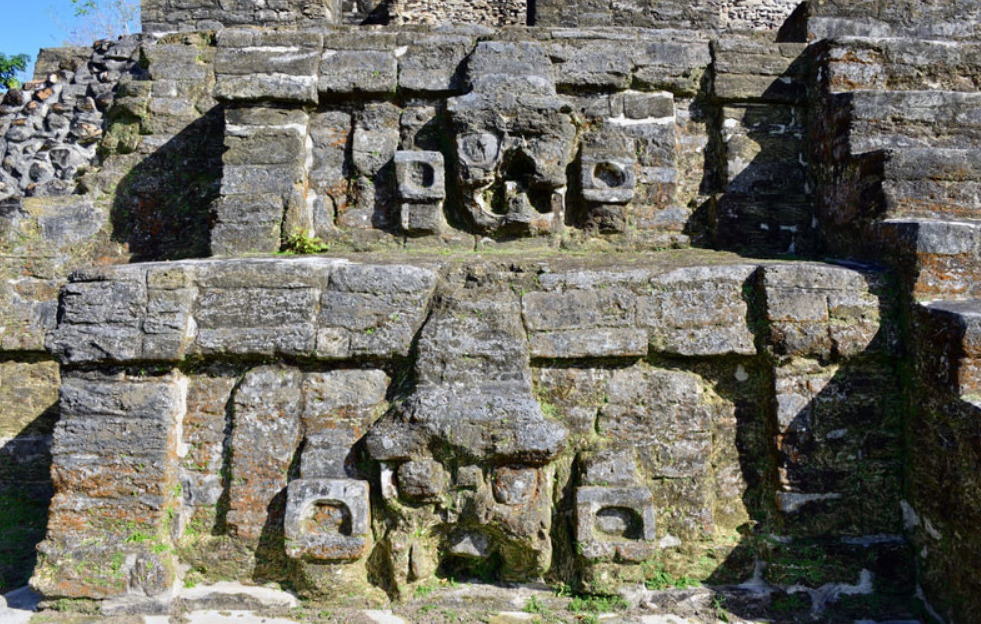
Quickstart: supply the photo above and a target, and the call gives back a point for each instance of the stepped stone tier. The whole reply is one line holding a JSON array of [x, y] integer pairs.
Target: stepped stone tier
[[352, 296]]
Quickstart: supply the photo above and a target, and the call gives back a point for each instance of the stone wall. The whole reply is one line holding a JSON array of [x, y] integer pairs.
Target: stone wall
[[696, 399], [521, 350], [704, 15], [489, 12]]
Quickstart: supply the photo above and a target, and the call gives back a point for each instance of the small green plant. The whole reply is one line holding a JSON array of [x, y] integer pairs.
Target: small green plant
[[721, 613], [534, 605], [549, 410], [304, 243], [138, 537], [425, 589], [597, 604]]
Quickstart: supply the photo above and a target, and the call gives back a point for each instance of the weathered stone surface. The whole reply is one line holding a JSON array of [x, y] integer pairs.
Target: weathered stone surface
[[338, 409], [263, 442], [108, 490], [358, 71], [615, 522], [373, 310], [701, 311], [650, 404], [257, 65], [820, 311]]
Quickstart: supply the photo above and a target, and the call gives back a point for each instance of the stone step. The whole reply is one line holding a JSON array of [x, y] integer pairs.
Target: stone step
[[932, 183], [876, 120], [901, 18], [954, 345], [900, 64], [940, 258]]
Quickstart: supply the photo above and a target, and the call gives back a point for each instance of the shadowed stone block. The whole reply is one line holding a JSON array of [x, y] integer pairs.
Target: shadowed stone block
[[327, 519]]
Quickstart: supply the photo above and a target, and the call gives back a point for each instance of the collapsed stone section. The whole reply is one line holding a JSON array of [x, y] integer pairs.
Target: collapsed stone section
[[51, 127]]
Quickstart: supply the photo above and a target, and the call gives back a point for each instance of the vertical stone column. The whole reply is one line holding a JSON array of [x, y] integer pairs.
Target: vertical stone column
[[115, 470]]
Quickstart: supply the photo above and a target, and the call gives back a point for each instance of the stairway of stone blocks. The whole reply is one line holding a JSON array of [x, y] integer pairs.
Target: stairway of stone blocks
[[637, 297]]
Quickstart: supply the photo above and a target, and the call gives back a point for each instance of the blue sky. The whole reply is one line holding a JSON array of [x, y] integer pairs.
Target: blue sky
[[31, 25]]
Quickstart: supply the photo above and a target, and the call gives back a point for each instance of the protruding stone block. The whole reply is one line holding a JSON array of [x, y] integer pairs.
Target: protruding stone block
[[615, 522], [608, 179], [420, 176], [327, 519], [421, 188]]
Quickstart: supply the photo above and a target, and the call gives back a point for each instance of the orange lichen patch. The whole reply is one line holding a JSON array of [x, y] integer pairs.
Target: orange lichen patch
[[941, 276], [337, 137], [113, 480]]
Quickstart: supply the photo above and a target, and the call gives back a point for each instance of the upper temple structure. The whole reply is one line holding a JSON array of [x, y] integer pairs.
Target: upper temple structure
[[358, 296]]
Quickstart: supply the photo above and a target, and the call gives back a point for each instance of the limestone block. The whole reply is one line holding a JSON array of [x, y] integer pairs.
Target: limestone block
[[665, 416], [430, 63], [515, 485], [699, 311], [358, 71], [373, 310], [584, 343], [609, 468], [421, 188], [420, 176], [421, 481], [820, 310], [109, 488], [607, 179], [101, 320], [267, 65], [338, 408], [256, 320], [615, 522], [263, 442], [597, 63], [327, 520]]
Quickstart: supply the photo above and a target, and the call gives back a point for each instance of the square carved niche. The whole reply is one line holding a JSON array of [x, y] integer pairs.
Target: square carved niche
[[327, 519], [615, 523]]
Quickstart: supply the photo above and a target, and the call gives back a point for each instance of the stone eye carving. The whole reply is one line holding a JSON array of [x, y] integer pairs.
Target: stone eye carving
[[620, 522], [421, 189], [327, 519], [479, 151]]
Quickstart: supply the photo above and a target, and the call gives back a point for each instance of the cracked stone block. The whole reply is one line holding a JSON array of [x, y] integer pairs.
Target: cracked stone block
[[615, 522], [327, 519]]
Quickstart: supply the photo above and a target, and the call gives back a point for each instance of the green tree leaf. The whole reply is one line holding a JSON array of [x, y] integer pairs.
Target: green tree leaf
[[10, 66]]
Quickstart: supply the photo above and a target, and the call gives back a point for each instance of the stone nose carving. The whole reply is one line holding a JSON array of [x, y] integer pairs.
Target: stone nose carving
[[514, 139]]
